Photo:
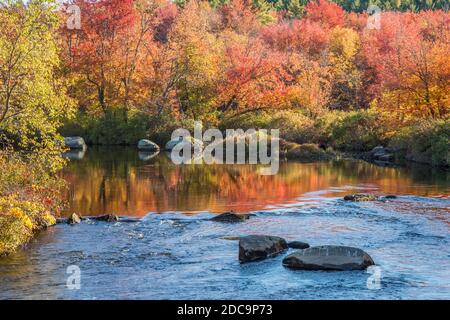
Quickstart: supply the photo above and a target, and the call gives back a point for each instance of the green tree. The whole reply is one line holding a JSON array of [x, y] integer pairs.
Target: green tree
[[264, 11], [295, 8], [32, 98]]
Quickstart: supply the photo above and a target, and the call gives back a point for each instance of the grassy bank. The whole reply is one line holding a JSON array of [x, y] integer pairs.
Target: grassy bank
[[30, 196]]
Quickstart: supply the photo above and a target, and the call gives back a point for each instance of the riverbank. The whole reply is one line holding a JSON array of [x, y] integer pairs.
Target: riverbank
[[31, 196]]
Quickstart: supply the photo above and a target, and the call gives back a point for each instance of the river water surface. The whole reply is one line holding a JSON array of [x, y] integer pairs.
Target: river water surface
[[172, 250]]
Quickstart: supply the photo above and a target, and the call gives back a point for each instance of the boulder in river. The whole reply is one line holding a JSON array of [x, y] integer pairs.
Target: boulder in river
[[74, 219], [338, 258], [147, 145], [259, 247], [106, 218], [382, 154], [75, 143], [185, 140], [231, 217], [361, 197], [298, 245]]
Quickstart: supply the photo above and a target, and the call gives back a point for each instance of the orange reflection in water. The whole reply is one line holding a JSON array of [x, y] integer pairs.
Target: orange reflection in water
[[115, 181]]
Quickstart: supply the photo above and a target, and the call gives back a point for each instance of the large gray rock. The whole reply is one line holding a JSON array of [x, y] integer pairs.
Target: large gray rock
[[75, 143], [259, 247], [147, 145], [329, 258]]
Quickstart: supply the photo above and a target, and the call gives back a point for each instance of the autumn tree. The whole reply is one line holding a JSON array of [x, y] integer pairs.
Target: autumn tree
[[409, 61], [95, 54], [346, 76], [32, 96]]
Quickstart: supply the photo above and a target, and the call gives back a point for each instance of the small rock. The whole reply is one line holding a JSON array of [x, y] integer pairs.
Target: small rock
[[147, 145], [231, 217], [390, 197], [74, 219], [259, 247], [337, 258], [106, 218], [361, 197], [298, 245], [231, 238]]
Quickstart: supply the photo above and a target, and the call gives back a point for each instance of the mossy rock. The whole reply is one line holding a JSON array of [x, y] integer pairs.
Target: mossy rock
[[361, 197]]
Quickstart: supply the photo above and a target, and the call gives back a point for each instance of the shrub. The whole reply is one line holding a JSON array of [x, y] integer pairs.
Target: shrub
[[426, 141], [295, 126], [251, 120], [31, 194], [356, 131], [116, 127], [306, 152]]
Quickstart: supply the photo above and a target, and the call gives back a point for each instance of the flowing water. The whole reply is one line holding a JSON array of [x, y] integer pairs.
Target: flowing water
[[171, 250]]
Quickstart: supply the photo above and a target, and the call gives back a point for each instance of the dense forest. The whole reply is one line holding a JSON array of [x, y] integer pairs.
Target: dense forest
[[115, 71]]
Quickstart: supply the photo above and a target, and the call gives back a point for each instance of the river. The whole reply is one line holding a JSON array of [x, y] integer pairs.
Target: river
[[173, 250]]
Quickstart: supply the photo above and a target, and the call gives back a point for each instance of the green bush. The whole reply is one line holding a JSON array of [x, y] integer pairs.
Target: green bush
[[31, 195], [116, 127], [161, 127], [307, 152], [356, 131], [426, 141], [293, 124], [251, 120]]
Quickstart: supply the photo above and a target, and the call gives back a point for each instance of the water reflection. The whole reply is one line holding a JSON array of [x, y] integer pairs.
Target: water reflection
[[125, 182], [75, 154]]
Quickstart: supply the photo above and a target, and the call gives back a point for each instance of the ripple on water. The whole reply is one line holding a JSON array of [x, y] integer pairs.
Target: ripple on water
[[175, 256]]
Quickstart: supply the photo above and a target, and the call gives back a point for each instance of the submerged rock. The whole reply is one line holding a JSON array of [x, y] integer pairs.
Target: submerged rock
[[147, 145], [231, 217], [74, 219], [298, 245], [106, 218], [259, 247], [361, 197], [231, 238], [337, 258]]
